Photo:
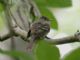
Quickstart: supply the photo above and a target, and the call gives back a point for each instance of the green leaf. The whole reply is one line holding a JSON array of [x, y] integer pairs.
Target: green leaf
[[17, 54], [74, 55], [54, 3], [3, 2], [45, 12], [59, 3], [45, 51], [1, 23], [1, 8], [40, 2]]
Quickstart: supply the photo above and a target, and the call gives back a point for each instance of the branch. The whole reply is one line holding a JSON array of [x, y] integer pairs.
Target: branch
[[23, 34], [34, 9], [8, 17], [5, 36], [19, 32], [64, 40]]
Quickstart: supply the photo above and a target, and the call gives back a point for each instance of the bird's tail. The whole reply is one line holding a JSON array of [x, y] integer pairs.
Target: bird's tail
[[30, 44]]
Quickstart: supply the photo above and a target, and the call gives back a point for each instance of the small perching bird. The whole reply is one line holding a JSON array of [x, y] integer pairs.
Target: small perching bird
[[39, 29]]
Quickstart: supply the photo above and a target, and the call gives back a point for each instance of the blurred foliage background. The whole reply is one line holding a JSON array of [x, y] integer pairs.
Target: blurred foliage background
[[64, 17]]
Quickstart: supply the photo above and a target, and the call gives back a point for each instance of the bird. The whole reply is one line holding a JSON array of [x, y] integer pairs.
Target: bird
[[38, 29]]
